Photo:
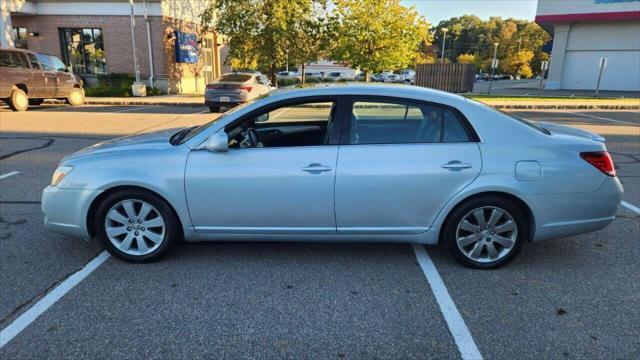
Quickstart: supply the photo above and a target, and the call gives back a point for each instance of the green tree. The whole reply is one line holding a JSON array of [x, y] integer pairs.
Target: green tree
[[519, 63], [259, 31], [309, 38], [376, 35]]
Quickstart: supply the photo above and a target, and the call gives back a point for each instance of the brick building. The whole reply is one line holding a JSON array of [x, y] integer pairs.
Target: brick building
[[94, 37]]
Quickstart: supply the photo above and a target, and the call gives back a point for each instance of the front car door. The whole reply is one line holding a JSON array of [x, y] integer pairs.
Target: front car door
[[50, 78], [400, 163], [64, 79], [276, 183]]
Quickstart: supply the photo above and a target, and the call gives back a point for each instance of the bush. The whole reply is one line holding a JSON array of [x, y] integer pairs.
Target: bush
[[327, 80], [116, 80], [311, 80], [107, 91], [287, 81], [151, 91]]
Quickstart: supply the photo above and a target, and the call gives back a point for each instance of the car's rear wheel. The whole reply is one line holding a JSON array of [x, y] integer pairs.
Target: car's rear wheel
[[75, 97], [136, 226], [214, 109], [485, 232], [18, 100]]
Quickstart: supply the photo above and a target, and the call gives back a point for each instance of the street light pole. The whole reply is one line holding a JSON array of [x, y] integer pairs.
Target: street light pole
[[494, 65], [444, 40], [133, 44], [146, 20], [287, 60]]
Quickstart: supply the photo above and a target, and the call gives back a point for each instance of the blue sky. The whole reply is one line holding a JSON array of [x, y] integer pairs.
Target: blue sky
[[437, 10]]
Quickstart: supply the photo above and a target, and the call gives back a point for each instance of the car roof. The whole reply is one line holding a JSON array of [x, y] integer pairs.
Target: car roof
[[392, 90]]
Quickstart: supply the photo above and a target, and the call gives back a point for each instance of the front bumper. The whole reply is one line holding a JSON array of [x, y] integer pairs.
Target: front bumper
[[65, 210]]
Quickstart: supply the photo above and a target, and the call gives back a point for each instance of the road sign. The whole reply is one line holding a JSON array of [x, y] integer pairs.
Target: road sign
[[603, 62], [494, 63], [544, 65]]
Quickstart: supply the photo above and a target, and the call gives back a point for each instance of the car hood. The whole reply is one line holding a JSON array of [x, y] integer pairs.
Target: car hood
[[556, 129], [146, 141]]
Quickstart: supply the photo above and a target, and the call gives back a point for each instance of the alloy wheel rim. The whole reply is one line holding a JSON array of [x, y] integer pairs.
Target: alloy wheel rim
[[486, 234], [135, 227]]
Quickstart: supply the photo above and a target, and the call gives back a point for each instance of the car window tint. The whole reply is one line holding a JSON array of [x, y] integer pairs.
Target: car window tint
[[398, 123], [34, 62], [13, 59], [45, 61], [235, 77]]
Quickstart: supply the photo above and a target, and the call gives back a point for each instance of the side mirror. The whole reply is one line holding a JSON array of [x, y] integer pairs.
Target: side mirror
[[218, 142], [69, 69], [262, 118]]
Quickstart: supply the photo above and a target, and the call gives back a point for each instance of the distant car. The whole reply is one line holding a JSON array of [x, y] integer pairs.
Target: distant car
[[316, 75], [394, 78], [286, 75], [28, 78], [342, 163], [335, 76], [235, 88]]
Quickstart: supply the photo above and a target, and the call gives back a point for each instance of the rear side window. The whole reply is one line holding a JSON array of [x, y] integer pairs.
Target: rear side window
[[389, 122], [13, 59]]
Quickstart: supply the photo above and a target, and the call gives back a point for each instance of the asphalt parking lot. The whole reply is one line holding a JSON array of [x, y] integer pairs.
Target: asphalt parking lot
[[573, 298]]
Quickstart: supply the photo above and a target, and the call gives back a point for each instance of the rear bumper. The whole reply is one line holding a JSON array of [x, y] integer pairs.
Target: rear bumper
[[559, 215], [65, 210], [216, 99]]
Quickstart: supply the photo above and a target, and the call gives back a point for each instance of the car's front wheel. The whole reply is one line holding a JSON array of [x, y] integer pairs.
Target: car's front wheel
[[486, 232], [136, 226], [76, 97]]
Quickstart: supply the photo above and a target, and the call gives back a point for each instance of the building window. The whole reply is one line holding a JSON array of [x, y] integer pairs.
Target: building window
[[83, 50], [19, 36]]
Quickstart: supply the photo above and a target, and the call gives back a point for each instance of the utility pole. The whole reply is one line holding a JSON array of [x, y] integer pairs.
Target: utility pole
[[152, 80], [133, 43], [287, 61], [602, 64], [494, 65], [444, 40]]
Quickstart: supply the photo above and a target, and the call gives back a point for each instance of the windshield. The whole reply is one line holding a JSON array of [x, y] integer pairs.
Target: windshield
[[235, 77], [198, 129]]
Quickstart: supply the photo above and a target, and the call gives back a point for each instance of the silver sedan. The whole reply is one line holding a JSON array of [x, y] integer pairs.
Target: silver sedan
[[386, 163]]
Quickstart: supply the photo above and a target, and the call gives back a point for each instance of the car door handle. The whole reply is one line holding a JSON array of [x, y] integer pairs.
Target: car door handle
[[455, 165], [316, 168]]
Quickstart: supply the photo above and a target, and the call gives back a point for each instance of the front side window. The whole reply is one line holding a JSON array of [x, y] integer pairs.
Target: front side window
[[83, 50], [45, 62], [302, 124], [390, 122], [58, 64]]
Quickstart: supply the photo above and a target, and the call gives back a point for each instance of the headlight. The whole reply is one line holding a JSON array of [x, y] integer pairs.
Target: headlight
[[59, 174]]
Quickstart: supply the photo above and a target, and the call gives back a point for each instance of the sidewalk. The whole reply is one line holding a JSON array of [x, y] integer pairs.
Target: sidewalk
[[499, 101]]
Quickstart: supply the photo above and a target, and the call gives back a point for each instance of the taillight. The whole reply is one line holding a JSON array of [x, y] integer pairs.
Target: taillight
[[601, 160], [246, 88]]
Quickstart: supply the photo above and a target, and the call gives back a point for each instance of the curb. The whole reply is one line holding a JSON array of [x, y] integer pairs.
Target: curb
[[140, 103]]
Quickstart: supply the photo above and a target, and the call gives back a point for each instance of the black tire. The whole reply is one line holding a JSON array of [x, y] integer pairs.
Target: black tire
[[450, 230], [171, 234], [214, 109], [18, 100], [36, 101], [76, 97]]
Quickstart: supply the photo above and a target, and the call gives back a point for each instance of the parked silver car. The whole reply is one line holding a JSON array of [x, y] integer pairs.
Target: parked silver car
[[387, 163], [235, 88]]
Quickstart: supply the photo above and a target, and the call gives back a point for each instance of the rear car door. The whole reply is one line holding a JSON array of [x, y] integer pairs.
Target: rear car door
[[399, 163], [37, 85]]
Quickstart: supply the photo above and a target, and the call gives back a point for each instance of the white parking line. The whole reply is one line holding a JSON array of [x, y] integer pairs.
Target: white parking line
[[630, 207], [4, 176], [603, 118], [19, 324], [455, 322]]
